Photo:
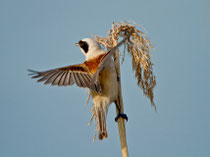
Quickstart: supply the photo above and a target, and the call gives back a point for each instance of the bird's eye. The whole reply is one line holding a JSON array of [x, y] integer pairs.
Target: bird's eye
[[83, 45]]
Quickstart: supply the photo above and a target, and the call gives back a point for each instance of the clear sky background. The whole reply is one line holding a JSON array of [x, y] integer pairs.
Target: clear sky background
[[45, 121]]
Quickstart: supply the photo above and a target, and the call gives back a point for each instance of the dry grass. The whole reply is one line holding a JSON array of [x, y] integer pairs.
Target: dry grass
[[138, 46]]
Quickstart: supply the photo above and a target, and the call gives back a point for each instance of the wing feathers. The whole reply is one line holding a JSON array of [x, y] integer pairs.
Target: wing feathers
[[66, 76], [46, 76], [61, 81], [80, 79], [52, 77], [76, 79], [71, 80], [85, 80], [57, 78]]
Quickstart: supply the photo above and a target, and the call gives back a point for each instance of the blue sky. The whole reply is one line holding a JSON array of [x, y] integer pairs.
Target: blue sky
[[42, 121]]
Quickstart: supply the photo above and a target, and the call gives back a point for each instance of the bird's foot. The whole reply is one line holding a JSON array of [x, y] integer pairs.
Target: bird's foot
[[124, 116]]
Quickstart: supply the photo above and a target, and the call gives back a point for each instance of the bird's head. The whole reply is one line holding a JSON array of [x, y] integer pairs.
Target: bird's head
[[90, 48]]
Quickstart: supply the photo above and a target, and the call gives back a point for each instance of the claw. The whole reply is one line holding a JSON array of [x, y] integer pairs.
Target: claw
[[124, 116]]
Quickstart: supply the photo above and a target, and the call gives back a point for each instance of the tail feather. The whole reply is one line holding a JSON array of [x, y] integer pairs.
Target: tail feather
[[101, 123]]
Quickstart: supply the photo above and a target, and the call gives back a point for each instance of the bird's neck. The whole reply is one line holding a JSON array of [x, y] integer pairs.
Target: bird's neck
[[94, 54]]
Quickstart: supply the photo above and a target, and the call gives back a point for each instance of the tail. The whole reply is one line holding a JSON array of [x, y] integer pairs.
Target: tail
[[101, 113]]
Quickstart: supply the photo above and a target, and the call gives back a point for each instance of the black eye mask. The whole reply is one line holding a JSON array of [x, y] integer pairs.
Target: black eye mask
[[83, 45]]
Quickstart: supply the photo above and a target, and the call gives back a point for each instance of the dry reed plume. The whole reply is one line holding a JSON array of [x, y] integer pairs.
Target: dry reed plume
[[138, 46]]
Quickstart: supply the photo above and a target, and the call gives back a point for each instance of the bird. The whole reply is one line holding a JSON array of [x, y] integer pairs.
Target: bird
[[97, 73]]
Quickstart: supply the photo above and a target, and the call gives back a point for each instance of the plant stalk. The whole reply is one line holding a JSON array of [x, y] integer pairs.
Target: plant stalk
[[121, 122]]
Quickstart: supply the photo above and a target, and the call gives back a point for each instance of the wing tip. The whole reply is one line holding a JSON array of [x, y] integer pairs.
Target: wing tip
[[32, 72]]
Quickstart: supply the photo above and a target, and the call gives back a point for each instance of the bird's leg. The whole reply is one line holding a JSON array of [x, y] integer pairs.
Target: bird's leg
[[120, 114]]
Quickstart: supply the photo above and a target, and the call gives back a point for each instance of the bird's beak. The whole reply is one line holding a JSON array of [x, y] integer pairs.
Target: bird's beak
[[76, 44]]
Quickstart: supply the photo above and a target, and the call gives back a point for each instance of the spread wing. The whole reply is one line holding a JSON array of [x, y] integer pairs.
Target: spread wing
[[108, 55], [67, 76]]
